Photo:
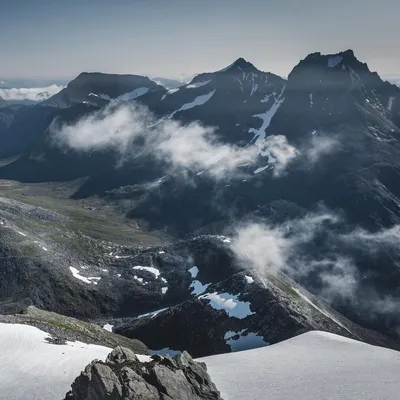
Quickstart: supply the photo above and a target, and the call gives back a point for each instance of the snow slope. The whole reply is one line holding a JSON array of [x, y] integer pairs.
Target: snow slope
[[33, 369], [312, 366]]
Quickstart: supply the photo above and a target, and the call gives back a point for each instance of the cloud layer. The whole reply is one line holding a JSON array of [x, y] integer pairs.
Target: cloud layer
[[32, 94], [131, 129]]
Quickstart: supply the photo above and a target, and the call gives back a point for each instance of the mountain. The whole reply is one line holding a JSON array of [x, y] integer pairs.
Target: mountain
[[392, 78], [325, 139], [167, 82], [98, 89], [20, 127]]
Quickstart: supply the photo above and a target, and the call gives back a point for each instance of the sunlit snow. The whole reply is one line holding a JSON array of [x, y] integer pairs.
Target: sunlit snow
[[32, 368], [312, 366]]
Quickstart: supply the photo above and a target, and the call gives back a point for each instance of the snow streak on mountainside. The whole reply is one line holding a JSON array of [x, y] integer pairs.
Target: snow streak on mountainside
[[313, 366]]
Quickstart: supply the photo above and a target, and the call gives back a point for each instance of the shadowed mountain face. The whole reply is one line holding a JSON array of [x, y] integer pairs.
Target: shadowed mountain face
[[328, 137]]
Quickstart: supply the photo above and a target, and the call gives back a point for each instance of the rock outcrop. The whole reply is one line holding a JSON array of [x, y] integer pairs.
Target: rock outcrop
[[123, 377]]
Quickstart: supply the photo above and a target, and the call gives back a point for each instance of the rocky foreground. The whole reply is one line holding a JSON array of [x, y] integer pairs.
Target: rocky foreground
[[123, 376]]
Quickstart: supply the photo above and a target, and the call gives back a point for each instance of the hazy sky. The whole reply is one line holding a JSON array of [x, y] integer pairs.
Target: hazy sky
[[61, 38]]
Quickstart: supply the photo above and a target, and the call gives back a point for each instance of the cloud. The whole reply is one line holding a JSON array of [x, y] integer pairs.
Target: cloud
[[273, 248], [320, 146], [313, 252], [131, 130], [33, 94], [280, 153]]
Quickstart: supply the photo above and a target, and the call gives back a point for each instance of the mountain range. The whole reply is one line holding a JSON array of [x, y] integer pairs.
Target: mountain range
[[231, 212]]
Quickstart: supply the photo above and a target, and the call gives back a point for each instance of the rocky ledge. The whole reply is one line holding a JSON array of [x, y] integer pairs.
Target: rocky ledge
[[123, 377]]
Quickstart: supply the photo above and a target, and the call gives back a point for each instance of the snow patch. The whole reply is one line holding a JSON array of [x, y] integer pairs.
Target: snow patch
[[132, 95], [390, 104], [108, 327], [152, 314], [198, 101], [100, 96], [76, 274], [193, 271], [261, 169], [141, 280], [164, 290], [198, 288], [249, 279], [152, 270], [229, 303], [172, 91], [259, 134], [197, 84], [240, 341]]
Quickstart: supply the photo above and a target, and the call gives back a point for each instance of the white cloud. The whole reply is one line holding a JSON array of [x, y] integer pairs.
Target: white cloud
[[272, 248], [282, 152], [320, 146], [287, 248], [190, 147], [33, 94]]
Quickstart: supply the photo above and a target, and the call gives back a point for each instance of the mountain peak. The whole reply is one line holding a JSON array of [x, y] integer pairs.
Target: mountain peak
[[346, 57], [240, 64]]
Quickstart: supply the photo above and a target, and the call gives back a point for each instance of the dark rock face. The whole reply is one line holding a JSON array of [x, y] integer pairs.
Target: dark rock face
[[274, 309], [124, 377]]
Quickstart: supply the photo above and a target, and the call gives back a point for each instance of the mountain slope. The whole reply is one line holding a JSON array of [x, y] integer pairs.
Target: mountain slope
[[34, 368], [312, 366]]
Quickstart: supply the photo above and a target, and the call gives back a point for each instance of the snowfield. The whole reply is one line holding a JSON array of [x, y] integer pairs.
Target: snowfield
[[33, 369], [312, 366]]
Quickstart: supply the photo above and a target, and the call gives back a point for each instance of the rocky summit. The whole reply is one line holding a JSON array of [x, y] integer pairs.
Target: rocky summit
[[123, 377]]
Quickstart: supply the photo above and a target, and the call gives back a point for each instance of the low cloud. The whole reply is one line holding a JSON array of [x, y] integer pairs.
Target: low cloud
[[312, 251], [131, 130], [320, 146], [32, 94], [280, 152]]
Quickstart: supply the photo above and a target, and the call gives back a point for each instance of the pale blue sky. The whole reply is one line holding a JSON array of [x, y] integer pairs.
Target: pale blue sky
[[61, 38]]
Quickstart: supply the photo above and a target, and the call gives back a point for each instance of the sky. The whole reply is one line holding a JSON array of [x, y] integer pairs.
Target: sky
[[49, 39]]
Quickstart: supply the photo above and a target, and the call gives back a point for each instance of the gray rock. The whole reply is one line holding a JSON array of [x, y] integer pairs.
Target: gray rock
[[124, 377]]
